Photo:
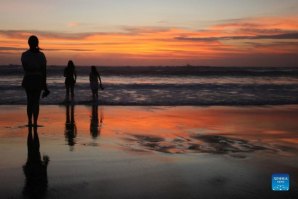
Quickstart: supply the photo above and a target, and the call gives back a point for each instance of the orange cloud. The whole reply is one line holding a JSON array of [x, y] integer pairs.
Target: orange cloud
[[161, 44]]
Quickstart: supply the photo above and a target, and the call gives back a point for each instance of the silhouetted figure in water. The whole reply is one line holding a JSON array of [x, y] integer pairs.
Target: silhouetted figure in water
[[94, 77], [35, 169], [34, 64], [70, 79], [70, 126], [95, 125]]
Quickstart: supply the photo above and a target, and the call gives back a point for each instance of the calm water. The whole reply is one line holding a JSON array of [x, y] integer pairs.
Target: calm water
[[145, 88]]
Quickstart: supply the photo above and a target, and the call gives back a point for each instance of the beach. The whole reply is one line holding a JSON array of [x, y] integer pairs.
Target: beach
[[149, 99], [151, 151]]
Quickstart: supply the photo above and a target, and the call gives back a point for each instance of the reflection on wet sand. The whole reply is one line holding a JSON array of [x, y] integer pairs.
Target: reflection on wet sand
[[95, 123], [214, 144], [35, 169], [151, 152], [70, 126]]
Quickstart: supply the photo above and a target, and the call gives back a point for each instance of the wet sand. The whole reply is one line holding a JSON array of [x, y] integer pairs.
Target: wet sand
[[148, 152]]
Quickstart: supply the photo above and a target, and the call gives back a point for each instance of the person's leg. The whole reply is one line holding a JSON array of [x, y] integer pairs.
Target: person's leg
[[96, 94], [67, 92], [29, 107], [35, 106], [72, 92], [93, 94]]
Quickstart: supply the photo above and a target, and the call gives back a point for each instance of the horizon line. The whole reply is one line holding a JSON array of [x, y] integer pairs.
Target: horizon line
[[174, 66]]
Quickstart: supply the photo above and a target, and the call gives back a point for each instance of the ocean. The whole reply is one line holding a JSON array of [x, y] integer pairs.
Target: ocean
[[164, 86]]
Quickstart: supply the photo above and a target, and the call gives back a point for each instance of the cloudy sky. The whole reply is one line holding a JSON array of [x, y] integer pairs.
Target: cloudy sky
[[153, 32]]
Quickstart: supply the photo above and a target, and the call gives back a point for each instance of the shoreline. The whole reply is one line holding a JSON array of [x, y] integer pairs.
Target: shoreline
[[90, 103]]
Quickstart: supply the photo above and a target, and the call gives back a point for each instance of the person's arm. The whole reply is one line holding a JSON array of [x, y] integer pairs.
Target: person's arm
[[23, 62], [100, 84], [44, 72], [24, 68], [75, 76]]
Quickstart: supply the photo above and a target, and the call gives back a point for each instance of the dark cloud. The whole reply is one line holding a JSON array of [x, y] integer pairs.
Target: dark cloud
[[125, 30], [3, 48], [274, 44], [21, 34], [261, 31], [69, 49], [233, 20], [145, 29], [206, 39]]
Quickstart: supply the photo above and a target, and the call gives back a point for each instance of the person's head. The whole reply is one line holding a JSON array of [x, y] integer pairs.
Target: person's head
[[70, 64], [93, 69], [33, 43]]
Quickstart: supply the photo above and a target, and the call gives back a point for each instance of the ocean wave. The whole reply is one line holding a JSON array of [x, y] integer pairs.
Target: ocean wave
[[167, 71], [167, 94], [166, 90]]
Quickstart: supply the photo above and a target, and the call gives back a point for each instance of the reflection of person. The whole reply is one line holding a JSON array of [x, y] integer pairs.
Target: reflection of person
[[34, 81], [94, 77], [70, 126], [95, 125], [35, 169], [70, 79]]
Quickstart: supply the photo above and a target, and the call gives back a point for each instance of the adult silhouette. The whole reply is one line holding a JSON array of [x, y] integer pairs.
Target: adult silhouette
[[70, 126], [35, 169], [70, 79], [35, 77]]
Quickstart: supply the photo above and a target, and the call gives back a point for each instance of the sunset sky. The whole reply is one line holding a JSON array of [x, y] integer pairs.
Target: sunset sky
[[153, 32]]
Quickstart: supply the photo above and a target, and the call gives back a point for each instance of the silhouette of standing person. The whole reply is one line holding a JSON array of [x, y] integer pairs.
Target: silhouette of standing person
[[94, 77], [34, 64], [35, 169], [70, 126], [70, 79]]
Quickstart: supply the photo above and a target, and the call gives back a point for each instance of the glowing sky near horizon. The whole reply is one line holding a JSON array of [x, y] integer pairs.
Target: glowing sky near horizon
[[155, 32]]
